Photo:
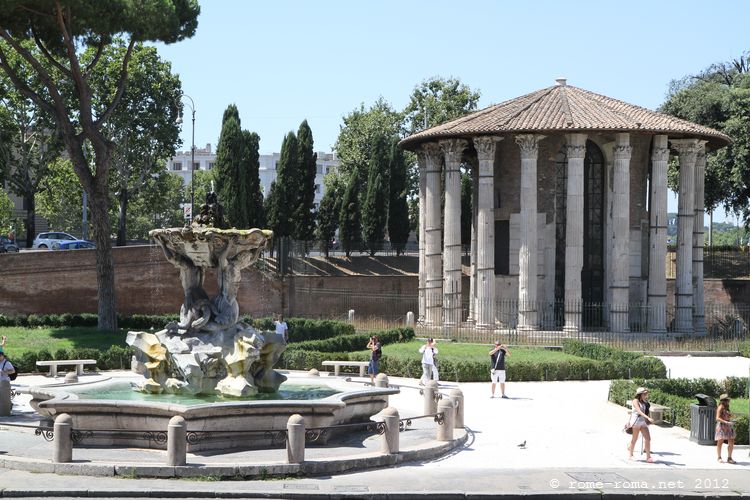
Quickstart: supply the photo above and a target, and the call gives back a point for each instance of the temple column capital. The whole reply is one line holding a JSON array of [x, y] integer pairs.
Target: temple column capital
[[485, 146], [529, 144]]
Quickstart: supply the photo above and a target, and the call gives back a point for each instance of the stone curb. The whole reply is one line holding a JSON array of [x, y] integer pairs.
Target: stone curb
[[433, 449]]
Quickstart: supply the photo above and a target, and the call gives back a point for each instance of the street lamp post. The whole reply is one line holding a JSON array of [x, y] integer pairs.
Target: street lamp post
[[192, 155]]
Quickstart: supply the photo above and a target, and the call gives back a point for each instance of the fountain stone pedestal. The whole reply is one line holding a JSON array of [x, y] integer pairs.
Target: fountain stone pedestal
[[209, 349]]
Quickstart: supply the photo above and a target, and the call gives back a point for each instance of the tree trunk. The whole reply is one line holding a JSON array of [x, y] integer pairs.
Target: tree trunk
[[29, 222], [105, 271], [121, 229]]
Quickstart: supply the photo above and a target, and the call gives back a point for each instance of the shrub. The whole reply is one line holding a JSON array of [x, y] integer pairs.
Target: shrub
[[115, 358], [736, 387]]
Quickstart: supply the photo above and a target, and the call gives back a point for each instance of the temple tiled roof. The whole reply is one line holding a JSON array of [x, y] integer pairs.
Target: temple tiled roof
[[564, 108]]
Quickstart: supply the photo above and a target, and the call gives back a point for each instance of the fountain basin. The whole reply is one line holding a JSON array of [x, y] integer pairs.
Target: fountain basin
[[229, 425]]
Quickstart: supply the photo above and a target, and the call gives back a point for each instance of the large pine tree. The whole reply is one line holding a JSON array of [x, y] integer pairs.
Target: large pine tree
[[398, 209], [228, 170], [304, 215], [375, 210]]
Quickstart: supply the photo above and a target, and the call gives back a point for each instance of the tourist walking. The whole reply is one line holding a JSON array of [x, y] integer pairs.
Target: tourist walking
[[641, 420], [281, 327], [724, 428], [497, 370], [375, 352], [429, 362]]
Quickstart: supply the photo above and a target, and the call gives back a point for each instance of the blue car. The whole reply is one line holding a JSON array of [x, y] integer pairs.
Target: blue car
[[73, 245]]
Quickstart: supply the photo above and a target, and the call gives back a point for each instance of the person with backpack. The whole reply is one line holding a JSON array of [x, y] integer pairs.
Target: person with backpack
[[7, 371], [375, 353]]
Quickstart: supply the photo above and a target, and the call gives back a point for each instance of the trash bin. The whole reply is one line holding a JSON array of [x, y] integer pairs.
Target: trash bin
[[703, 420]]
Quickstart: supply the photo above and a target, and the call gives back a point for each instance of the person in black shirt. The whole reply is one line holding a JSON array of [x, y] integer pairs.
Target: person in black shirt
[[497, 372]]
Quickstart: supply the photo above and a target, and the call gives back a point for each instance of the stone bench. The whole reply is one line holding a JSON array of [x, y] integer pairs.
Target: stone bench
[[338, 364], [54, 363], [656, 411]]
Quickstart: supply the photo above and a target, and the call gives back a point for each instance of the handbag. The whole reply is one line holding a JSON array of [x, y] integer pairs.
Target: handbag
[[628, 428]]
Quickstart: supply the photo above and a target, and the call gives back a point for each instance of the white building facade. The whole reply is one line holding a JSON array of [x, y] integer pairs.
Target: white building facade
[[205, 158]]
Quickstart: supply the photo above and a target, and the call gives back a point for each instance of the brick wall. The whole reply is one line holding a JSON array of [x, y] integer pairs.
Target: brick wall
[[59, 282]]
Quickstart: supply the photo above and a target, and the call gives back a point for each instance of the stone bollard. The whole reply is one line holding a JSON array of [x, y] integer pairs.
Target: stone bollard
[[176, 441], [410, 319], [313, 373], [429, 391], [6, 405], [351, 315], [445, 431], [63, 430], [71, 378], [458, 399], [381, 380], [295, 439], [390, 444]]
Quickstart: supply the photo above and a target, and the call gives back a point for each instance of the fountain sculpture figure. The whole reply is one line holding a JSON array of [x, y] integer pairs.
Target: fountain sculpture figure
[[209, 349]]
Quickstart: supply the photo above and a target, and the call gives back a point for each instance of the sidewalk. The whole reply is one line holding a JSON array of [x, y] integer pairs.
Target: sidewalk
[[574, 445]]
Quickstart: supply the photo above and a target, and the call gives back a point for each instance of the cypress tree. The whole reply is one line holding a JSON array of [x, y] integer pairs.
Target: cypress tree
[[374, 209], [398, 210], [284, 189], [350, 227], [256, 216], [228, 171], [304, 215], [328, 215]]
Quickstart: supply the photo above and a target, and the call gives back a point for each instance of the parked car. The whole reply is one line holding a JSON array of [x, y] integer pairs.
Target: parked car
[[7, 245], [73, 245], [46, 240]]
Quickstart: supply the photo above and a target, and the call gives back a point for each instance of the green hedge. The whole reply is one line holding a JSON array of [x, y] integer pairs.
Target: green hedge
[[621, 391], [352, 342], [617, 363], [114, 358], [300, 329], [597, 351]]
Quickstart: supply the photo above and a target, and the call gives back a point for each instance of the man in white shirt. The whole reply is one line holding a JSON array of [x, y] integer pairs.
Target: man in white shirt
[[429, 362], [281, 327]]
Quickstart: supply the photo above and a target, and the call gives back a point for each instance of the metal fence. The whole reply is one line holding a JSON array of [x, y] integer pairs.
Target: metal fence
[[633, 326]]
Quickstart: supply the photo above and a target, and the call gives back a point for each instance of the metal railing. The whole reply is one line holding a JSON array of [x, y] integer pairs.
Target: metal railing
[[635, 325]]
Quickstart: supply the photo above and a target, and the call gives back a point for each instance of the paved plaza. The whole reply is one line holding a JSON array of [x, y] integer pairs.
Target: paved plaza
[[573, 445]]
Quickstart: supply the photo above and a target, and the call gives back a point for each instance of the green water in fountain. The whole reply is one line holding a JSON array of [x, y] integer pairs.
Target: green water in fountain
[[122, 391]]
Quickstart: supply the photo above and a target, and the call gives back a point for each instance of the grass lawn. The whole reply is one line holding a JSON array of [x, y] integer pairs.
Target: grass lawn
[[739, 406], [469, 352], [21, 340]]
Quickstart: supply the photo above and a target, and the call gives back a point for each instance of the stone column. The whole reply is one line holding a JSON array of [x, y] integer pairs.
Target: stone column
[[452, 150], [687, 149], [474, 209], [433, 233], [619, 288], [576, 153], [422, 162], [657, 255], [699, 319], [485, 285], [527, 253]]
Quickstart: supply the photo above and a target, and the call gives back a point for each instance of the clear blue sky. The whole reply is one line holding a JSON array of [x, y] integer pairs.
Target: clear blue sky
[[281, 61]]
